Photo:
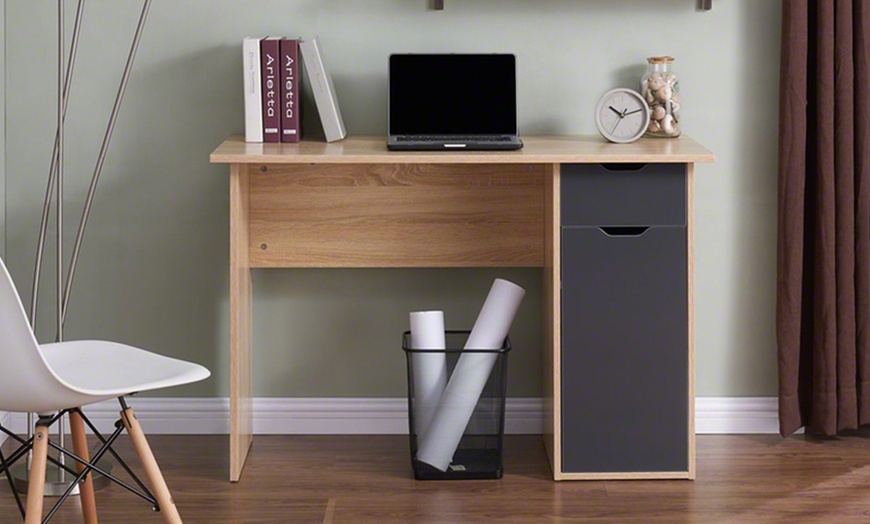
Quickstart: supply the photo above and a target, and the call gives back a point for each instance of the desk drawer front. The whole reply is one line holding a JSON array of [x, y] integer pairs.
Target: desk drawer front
[[402, 215], [623, 194]]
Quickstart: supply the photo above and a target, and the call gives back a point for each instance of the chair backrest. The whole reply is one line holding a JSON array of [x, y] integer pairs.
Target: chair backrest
[[27, 383]]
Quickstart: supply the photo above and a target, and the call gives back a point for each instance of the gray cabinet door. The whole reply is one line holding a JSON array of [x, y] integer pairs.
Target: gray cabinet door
[[624, 354]]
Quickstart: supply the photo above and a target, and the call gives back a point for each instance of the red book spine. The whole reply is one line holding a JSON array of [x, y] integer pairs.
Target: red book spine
[[271, 89], [291, 131]]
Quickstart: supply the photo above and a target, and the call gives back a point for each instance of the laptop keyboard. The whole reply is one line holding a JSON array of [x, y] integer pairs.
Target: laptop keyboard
[[452, 138]]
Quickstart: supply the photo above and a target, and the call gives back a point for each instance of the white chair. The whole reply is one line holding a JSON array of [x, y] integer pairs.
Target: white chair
[[53, 380]]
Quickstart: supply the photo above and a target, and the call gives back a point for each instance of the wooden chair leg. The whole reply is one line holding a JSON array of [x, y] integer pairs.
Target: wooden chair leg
[[152, 471], [36, 476], [86, 488]]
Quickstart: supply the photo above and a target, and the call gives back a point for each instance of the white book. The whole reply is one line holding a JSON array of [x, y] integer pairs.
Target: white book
[[324, 91], [253, 88]]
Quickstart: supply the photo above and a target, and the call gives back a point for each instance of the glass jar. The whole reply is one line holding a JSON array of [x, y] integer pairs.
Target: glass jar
[[661, 89]]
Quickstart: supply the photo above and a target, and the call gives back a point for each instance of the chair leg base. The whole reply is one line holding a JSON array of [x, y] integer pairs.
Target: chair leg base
[[39, 444], [33, 513], [80, 446], [152, 470]]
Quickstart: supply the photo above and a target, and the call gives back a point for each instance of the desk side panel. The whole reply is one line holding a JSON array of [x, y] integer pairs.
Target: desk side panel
[[552, 320], [397, 215], [241, 394], [690, 274]]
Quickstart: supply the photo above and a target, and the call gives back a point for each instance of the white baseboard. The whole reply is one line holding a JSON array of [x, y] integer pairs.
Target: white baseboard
[[3, 420], [286, 416], [736, 415], [309, 416]]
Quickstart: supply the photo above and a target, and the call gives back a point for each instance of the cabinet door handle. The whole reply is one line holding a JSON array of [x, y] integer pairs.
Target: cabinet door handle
[[624, 231], [623, 166]]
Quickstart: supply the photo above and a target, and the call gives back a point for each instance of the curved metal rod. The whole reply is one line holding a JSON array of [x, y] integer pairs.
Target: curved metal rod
[[61, 111], [122, 88], [61, 106], [46, 207]]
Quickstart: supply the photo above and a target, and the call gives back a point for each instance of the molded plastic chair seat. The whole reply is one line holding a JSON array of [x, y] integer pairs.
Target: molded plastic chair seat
[[103, 370]]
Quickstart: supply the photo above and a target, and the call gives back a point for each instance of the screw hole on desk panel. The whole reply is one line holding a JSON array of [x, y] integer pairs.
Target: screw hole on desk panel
[[263, 169], [264, 247]]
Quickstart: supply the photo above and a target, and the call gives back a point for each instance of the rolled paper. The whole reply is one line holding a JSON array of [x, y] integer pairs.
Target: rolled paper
[[429, 369], [470, 375]]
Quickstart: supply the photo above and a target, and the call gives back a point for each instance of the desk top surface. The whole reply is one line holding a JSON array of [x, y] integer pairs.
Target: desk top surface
[[537, 150]]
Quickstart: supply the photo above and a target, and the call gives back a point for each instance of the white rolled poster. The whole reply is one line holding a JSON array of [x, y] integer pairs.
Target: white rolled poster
[[470, 375], [429, 369]]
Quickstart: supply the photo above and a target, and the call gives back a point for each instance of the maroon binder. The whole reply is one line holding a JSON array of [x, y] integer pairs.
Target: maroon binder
[[291, 130], [271, 89]]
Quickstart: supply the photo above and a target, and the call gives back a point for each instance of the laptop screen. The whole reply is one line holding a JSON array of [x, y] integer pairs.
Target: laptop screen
[[452, 94]]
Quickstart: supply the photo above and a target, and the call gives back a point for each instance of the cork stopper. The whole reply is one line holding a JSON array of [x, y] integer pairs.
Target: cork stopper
[[660, 60]]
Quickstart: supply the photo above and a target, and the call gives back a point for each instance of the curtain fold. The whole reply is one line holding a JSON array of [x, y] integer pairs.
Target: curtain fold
[[823, 246]]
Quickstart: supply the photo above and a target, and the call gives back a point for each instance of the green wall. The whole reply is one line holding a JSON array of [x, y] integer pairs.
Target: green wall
[[3, 134], [153, 269]]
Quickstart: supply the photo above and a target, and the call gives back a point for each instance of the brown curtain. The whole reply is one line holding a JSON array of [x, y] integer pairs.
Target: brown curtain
[[823, 266]]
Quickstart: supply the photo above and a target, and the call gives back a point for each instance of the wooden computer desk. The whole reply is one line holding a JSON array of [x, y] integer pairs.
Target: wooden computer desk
[[354, 204]]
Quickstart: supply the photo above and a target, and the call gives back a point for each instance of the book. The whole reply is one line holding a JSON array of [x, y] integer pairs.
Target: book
[[324, 92], [269, 48], [291, 131], [251, 72]]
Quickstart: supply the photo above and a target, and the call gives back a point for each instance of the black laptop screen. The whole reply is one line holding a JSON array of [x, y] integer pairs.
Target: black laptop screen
[[452, 94]]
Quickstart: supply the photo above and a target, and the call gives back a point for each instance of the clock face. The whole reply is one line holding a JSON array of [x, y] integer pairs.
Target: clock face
[[622, 115]]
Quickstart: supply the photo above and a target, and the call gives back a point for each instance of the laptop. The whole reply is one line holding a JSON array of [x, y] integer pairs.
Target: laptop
[[452, 102]]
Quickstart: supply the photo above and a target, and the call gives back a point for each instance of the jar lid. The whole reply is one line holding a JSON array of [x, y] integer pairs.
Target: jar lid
[[660, 59]]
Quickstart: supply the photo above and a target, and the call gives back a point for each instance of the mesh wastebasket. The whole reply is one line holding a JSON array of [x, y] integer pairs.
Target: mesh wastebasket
[[480, 451]]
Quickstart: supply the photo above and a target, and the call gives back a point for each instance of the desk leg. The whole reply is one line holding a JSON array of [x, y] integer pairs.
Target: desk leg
[[552, 319], [241, 402], [690, 266]]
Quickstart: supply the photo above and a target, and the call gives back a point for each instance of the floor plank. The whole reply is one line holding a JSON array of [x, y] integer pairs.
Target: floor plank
[[368, 479]]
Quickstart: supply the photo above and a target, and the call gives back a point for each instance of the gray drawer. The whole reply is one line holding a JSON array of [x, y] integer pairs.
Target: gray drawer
[[623, 194]]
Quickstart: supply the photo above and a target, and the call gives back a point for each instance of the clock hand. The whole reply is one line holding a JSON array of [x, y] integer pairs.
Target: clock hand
[[633, 112], [613, 130], [615, 111]]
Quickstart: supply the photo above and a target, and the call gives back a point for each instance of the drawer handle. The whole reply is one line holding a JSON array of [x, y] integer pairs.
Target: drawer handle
[[624, 231], [623, 166]]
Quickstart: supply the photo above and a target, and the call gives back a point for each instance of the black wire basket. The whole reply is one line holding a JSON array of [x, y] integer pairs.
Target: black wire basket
[[481, 447]]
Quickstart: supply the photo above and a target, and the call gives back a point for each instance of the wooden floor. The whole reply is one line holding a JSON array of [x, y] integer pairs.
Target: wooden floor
[[345, 479]]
